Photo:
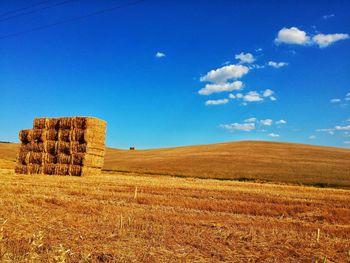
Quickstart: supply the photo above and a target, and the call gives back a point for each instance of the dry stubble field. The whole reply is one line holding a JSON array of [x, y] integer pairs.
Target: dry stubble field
[[99, 219]]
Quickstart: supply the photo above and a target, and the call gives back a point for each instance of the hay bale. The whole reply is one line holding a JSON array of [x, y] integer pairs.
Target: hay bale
[[65, 123], [88, 135], [34, 168], [63, 158], [88, 160], [49, 135], [77, 170], [22, 157], [62, 169], [34, 158], [52, 123], [49, 158], [21, 169], [50, 147], [88, 123], [64, 147], [49, 168], [64, 135], [39, 123], [25, 136]]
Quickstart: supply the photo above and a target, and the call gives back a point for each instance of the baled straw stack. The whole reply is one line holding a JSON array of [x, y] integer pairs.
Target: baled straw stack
[[64, 146]]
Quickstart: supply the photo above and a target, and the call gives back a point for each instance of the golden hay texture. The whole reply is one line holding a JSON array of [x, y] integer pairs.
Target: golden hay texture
[[62, 142], [138, 218]]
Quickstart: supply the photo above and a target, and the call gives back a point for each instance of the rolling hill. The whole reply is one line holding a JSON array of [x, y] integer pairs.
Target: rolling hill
[[244, 160]]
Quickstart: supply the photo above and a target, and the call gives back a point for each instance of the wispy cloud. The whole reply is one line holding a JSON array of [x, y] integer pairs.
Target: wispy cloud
[[277, 64], [312, 137], [216, 102], [273, 135], [238, 127], [328, 16]]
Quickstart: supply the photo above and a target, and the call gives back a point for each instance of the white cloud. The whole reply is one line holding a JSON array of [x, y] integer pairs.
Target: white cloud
[[273, 98], [220, 87], [273, 135], [250, 120], [342, 128], [252, 96], [312, 137], [238, 126], [259, 49], [281, 122], [160, 54], [347, 94], [335, 100], [225, 73], [277, 64], [216, 102], [239, 95], [296, 36], [323, 40], [267, 122], [347, 142], [328, 16], [292, 36], [267, 93], [245, 58]]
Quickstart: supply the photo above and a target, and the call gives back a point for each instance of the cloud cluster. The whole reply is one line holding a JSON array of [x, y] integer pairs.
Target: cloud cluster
[[296, 36], [251, 124], [254, 96], [343, 129]]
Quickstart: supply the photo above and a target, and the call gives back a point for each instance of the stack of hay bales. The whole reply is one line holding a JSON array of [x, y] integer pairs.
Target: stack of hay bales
[[62, 146]]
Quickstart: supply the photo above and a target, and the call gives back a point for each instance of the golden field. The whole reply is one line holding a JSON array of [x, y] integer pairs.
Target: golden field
[[139, 216]]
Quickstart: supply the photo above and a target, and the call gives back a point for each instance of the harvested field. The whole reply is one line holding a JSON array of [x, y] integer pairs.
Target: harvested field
[[135, 218], [244, 161]]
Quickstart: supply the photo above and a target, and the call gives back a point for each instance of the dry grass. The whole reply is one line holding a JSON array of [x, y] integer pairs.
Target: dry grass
[[105, 219]]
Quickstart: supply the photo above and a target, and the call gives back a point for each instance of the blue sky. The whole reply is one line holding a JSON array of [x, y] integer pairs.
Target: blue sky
[[171, 73]]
